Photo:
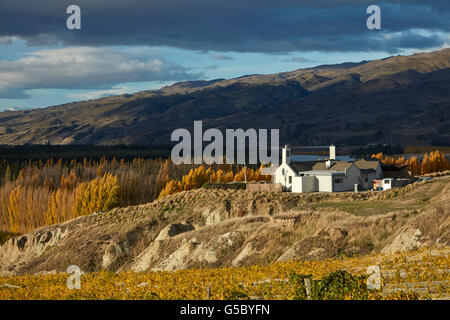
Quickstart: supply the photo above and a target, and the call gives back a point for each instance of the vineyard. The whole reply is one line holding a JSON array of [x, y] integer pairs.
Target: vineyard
[[423, 274]]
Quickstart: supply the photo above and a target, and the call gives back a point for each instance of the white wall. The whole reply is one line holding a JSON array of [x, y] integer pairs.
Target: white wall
[[324, 183], [387, 184], [304, 184], [284, 179]]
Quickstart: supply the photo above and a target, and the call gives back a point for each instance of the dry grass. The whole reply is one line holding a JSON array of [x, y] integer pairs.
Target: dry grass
[[274, 225]]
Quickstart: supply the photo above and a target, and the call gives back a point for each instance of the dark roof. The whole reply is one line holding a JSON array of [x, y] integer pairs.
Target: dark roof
[[367, 164], [302, 166], [363, 165], [337, 166], [393, 167]]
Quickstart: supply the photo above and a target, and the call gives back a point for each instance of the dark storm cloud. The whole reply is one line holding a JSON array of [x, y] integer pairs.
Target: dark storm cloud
[[224, 25]]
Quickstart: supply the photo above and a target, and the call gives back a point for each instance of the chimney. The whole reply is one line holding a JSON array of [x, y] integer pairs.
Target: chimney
[[332, 152], [286, 155]]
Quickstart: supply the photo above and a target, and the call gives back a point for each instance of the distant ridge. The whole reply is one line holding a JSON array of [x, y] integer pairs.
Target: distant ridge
[[401, 99]]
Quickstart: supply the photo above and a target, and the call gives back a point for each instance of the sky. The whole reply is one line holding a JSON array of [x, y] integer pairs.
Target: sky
[[135, 45]]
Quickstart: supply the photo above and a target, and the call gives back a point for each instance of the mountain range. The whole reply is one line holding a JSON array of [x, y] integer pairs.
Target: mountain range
[[401, 99]]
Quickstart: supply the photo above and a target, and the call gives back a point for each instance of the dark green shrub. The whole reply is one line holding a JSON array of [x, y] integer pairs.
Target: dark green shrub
[[338, 285], [298, 283]]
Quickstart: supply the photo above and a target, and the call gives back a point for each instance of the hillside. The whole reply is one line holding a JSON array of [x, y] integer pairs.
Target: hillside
[[219, 228], [351, 103]]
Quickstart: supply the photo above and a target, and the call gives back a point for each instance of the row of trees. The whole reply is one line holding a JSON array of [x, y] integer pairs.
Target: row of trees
[[48, 192], [430, 163], [197, 177], [30, 207], [69, 152]]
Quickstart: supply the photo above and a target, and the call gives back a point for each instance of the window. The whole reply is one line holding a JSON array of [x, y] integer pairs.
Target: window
[[366, 179], [290, 179], [387, 181], [338, 180]]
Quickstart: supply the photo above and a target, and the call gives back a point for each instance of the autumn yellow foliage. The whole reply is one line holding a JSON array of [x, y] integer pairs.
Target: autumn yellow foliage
[[100, 194], [38, 193], [197, 177], [404, 276], [431, 163]]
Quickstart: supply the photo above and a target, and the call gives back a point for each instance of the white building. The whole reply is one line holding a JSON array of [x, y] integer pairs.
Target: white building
[[387, 183], [325, 175]]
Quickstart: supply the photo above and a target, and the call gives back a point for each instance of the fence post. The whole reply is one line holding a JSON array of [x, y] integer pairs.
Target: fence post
[[308, 287], [208, 292]]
